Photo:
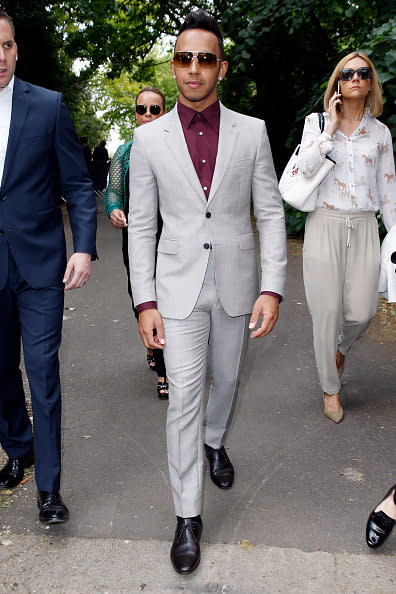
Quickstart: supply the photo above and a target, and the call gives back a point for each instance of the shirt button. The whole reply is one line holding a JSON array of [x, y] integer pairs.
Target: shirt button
[[205, 188], [201, 133], [208, 215], [206, 246], [203, 160]]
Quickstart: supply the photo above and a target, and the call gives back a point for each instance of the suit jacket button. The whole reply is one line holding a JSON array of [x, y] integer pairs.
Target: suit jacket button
[[206, 246], [2, 197], [1, 232], [208, 215]]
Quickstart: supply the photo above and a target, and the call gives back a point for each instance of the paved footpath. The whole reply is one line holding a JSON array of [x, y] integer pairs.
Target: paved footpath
[[294, 520]]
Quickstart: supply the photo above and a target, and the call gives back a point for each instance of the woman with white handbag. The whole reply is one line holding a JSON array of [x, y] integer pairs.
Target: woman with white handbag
[[341, 253]]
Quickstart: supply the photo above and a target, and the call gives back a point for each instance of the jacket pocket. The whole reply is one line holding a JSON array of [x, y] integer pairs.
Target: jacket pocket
[[167, 246], [246, 242]]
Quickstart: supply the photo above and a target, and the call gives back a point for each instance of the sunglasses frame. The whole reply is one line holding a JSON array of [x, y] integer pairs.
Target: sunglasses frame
[[196, 54], [148, 107], [349, 70]]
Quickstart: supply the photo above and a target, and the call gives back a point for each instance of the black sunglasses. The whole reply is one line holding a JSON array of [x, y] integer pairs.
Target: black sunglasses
[[154, 109], [363, 73], [206, 60]]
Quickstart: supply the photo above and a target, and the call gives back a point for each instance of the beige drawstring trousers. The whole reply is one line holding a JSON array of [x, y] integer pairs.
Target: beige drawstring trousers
[[341, 259]]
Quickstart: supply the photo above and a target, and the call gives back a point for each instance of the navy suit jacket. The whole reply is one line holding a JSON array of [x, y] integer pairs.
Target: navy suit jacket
[[43, 161]]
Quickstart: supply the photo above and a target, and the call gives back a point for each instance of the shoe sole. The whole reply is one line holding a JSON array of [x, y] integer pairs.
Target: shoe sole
[[54, 521]]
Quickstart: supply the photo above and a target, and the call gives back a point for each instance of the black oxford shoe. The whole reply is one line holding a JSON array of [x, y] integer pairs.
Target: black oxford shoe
[[185, 552], [52, 509], [379, 525], [12, 473], [221, 469]]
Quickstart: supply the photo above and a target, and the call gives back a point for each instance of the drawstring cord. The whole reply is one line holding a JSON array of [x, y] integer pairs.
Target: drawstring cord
[[349, 227]]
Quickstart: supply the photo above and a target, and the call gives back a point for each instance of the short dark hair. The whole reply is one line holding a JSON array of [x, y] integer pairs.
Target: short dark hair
[[6, 16], [152, 90], [200, 19]]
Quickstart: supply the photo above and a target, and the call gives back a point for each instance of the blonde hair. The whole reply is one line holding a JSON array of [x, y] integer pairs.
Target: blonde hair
[[373, 99]]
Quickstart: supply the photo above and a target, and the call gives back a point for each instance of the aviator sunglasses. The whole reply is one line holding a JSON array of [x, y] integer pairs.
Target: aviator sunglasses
[[363, 73], [154, 109], [206, 60]]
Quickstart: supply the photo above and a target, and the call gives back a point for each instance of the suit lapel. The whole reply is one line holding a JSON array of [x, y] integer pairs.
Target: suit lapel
[[178, 147], [228, 134], [20, 105]]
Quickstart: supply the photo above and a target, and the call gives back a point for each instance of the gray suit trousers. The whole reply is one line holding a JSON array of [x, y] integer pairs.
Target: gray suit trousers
[[210, 335]]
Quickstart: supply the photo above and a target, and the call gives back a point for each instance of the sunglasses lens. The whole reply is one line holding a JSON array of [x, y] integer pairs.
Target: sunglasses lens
[[141, 109], [347, 74], [207, 60], [364, 73], [182, 59], [155, 109]]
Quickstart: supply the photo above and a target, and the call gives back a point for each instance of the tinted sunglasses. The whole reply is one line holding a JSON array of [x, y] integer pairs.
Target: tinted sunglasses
[[206, 60], [363, 73], [154, 109]]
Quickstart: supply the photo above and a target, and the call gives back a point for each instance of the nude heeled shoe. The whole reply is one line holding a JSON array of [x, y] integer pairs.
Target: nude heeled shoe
[[334, 415]]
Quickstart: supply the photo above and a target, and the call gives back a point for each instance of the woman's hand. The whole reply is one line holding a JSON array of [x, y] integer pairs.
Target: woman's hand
[[117, 218], [334, 114]]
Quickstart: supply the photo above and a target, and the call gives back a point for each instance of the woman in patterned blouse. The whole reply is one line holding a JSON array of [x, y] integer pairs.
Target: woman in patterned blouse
[[341, 248], [150, 105]]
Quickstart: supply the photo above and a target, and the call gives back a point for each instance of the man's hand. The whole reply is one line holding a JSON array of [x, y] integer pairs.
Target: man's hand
[[78, 269], [117, 218], [268, 307], [150, 320]]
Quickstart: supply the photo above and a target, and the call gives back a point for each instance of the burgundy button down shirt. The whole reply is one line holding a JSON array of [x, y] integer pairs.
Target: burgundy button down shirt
[[201, 131]]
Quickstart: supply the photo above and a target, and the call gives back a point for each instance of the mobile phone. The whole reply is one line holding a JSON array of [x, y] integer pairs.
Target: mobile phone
[[339, 93]]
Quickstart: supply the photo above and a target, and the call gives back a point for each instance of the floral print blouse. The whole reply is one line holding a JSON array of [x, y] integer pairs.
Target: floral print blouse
[[363, 177]]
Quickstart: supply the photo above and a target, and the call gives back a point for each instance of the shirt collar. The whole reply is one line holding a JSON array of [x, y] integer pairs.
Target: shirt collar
[[8, 89], [211, 114]]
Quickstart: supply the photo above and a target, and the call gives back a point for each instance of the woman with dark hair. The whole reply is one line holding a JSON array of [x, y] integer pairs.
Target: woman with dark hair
[[341, 248], [150, 105]]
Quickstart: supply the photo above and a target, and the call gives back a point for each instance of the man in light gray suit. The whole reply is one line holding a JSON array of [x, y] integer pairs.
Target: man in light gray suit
[[202, 165]]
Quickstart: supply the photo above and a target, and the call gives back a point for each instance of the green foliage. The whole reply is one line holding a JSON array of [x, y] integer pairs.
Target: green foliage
[[116, 98], [381, 47], [281, 54], [295, 220]]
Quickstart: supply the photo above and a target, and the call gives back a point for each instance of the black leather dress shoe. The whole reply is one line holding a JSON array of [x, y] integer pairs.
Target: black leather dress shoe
[[12, 473], [52, 509], [221, 469], [379, 525], [185, 552]]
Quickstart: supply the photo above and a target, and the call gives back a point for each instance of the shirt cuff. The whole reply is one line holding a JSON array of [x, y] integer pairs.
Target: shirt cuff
[[147, 305], [273, 295]]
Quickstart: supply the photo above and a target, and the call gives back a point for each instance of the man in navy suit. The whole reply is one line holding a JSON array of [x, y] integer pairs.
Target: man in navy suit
[[40, 159]]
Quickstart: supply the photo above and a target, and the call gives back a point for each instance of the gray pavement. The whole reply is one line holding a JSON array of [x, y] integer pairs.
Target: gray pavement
[[294, 520]]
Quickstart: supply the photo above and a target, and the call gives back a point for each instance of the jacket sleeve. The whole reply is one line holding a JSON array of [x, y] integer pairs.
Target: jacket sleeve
[[75, 183], [114, 191], [386, 180]]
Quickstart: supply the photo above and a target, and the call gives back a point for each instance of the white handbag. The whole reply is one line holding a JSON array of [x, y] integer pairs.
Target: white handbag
[[300, 191]]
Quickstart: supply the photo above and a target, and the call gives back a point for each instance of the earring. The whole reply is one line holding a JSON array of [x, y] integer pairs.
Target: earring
[[220, 78]]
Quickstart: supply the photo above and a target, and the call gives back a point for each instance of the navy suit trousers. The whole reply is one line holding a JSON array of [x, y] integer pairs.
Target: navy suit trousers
[[35, 316]]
